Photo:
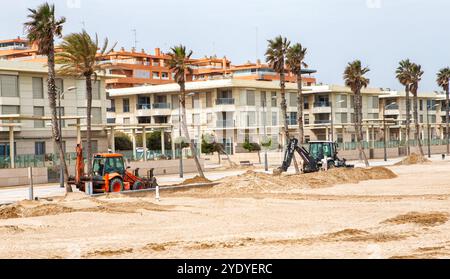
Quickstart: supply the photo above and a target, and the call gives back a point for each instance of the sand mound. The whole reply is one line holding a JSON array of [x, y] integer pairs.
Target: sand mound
[[195, 180], [20, 211], [423, 219], [254, 182], [413, 159]]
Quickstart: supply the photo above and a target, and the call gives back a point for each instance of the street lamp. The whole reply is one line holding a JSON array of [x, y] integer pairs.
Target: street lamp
[[332, 118], [266, 162], [385, 129], [181, 170], [60, 95], [429, 107]]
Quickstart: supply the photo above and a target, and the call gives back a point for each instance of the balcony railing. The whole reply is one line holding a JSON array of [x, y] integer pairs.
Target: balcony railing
[[161, 106], [322, 104], [392, 107], [111, 110], [322, 121], [225, 101], [224, 123], [143, 106]]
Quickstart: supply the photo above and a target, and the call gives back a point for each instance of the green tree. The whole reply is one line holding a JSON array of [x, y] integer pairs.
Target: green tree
[[443, 80], [355, 79], [42, 28], [78, 57], [179, 65], [295, 61], [122, 142]]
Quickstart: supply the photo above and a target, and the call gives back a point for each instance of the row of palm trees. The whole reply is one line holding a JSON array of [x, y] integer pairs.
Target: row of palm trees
[[283, 57], [79, 57]]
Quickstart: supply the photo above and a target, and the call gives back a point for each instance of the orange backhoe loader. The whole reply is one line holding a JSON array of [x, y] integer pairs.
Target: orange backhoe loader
[[109, 174]]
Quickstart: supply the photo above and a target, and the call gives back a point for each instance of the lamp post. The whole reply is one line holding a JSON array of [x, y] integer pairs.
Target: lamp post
[[181, 170], [60, 95], [385, 129]]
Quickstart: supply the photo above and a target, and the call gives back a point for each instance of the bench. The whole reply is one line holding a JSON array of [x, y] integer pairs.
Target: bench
[[246, 163]]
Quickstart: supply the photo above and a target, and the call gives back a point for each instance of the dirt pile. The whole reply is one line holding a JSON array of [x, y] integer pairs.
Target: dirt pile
[[22, 211], [196, 180], [254, 182], [413, 159], [423, 219]]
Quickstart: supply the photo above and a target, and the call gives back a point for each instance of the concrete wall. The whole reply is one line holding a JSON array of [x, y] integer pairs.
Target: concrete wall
[[165, 166], [19, 177]]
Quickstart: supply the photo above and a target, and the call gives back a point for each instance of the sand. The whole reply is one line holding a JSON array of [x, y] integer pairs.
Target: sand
[[403, 215], [195, 180], [413, 159]]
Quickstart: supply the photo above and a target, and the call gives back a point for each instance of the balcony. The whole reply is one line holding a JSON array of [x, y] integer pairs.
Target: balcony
[[111, 110], [322, 107], [225, 101], [224, 123], [161, 106], [322, 122], [143, 106]]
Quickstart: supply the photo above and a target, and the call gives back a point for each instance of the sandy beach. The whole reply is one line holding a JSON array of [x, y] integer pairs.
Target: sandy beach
[[399, 212]]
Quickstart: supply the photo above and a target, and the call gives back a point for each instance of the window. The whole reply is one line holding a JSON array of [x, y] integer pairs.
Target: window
[[38, 88], [59, 84], [196, 101], [126, 120], [96, 90], [96, 115], [9, 86], [273, 100], [292, 99], [421, 105], [196, 118], [433, 119], [208, 99], [111, 120], [373, 102], [113, 106], [39, 148], [306, 119], [175, 102], [143, 102], [164, 75], [142, 74], [10, 110], [145, 120], [292, 118], [263, 99], [421, 119], [209, 118], [39, 111], [274, 119], [341, 101], [341, 118], [155, 75], [248, 118], [250, 98], [305, 102], [372, 115], [126, 105]]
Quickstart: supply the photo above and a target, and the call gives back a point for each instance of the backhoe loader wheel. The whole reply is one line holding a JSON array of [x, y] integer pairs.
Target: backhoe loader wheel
[[116, 185], [138, 185]]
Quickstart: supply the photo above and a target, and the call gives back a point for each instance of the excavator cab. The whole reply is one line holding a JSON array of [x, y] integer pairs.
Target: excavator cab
[[322, 149]]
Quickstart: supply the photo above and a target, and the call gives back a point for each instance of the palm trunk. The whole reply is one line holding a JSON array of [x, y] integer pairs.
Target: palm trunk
[[285, 118], [447, 118], [88, 122], [358, 127], [300, 104], [408, 121], [55, 124], [185, 129], [416, 121]]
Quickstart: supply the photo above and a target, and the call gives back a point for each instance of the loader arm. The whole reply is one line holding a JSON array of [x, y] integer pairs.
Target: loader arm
[[310, 164]]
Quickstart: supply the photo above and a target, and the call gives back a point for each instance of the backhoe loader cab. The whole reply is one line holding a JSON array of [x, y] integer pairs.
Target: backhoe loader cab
[[322, 149], [109, 174]]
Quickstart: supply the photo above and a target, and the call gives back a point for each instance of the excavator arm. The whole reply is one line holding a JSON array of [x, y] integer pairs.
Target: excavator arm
[[310, 164]]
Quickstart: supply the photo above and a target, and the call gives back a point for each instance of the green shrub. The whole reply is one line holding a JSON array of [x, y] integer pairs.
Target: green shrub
[[251, 146], [122, 141]]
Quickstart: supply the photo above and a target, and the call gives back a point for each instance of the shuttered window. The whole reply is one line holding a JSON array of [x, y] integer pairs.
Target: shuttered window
[[9, 86], [38, 88]]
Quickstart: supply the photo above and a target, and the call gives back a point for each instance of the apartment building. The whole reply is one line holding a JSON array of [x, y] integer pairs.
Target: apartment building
[[431, 110], [236, 110], [24, 105]]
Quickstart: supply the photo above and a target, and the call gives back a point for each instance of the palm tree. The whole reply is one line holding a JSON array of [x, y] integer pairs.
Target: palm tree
[[355, 79], [41, 29], [179, 65], [276, 57], [443, 77], [295, 56], [403, 73], [78, 57], [416, 77]]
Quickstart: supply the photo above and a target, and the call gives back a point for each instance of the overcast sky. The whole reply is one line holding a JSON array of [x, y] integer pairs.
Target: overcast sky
[[378, 32]]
